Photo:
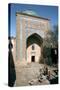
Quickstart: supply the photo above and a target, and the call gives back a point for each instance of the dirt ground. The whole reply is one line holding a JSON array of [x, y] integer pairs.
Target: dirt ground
[[29, 74]]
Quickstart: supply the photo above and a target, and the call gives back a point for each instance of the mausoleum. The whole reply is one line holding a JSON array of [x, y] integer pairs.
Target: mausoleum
[[31, 29]]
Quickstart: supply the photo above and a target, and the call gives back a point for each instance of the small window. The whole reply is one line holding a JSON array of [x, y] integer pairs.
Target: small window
[[33, 47]]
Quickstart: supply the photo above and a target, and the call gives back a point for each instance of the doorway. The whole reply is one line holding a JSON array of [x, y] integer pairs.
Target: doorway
[[32, 58]]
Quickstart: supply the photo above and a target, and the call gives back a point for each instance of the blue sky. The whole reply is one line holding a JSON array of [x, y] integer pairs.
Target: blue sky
[[50, 12]]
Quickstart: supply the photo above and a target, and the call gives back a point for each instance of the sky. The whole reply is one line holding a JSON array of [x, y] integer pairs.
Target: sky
[[50, 12]]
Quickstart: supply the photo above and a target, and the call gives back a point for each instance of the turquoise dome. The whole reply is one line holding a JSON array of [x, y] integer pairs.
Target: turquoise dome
[[30, 12]]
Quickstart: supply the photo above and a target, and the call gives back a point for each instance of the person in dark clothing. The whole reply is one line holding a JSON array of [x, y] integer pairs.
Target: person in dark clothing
[[11, 66]]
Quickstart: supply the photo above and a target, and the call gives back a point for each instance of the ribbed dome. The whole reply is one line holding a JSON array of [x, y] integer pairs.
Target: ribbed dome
[[29, 12]]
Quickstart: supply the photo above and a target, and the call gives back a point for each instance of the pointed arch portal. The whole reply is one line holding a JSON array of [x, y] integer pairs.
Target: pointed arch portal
[[33, 47]]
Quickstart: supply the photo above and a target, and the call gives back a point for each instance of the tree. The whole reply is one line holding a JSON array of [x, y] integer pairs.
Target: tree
[[51, 41], [51, 38]]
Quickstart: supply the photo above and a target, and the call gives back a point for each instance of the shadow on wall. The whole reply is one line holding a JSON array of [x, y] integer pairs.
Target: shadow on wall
[[11, 66], [34, 38], [50, 55]]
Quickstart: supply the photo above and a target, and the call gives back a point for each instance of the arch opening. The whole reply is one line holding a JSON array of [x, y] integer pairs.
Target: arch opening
[[33, 47]]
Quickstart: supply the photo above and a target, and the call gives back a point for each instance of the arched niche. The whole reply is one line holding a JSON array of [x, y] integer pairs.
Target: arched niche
[[33, 47]]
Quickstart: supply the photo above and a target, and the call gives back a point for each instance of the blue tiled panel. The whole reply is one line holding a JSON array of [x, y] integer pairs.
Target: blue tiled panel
[[20, 38]]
